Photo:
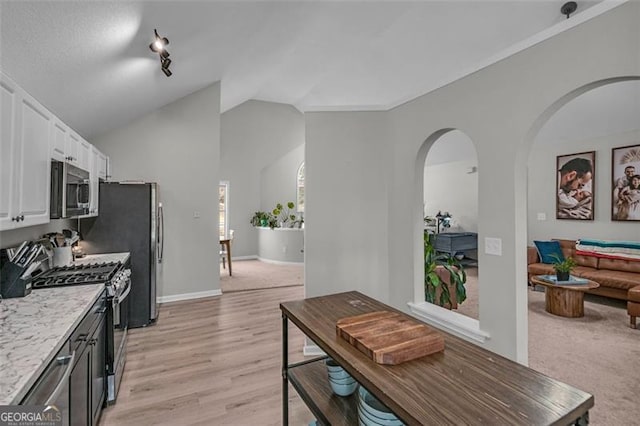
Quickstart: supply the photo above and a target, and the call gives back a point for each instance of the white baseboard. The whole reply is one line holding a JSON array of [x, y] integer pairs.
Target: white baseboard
[[252, 257], [279, 262], [189, 296]]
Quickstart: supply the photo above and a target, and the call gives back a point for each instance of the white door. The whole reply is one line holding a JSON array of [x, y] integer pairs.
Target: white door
[[102, 166], [93, 181], [33, 164], [72, 148], [7, 149], [84, 155]]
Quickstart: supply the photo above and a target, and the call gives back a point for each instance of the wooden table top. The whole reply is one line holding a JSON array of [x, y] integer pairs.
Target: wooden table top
[[465, 384], [590, 285]]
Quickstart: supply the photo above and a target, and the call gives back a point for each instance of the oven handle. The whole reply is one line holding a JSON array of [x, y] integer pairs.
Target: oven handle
[[65, 377], [125, 293]]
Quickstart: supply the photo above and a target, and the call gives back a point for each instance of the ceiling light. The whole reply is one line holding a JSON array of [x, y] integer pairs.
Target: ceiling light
[[159, 46], [568, 8]]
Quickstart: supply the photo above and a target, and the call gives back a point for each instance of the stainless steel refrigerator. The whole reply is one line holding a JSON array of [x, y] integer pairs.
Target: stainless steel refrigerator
[[130, 219]]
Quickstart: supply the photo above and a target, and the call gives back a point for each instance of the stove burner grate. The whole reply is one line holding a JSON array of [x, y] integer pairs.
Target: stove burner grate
[[96, 273]]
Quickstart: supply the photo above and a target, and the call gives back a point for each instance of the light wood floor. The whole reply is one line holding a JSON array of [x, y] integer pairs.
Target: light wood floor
[[213, 361]]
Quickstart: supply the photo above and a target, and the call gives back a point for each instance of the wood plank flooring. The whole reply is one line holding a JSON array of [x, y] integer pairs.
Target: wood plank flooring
[[213, 361]]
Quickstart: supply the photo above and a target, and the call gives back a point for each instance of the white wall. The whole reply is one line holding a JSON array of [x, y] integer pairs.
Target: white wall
[[451, 181], [178, 147], [347, 208], [278, 180], [254, 135], [542, 190], [370, 163]]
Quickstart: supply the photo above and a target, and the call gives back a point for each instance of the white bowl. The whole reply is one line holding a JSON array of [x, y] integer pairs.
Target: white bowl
[[372, 406], [343, 390]]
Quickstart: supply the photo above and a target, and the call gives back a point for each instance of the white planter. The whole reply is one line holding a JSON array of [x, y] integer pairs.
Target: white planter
[[281, 245]]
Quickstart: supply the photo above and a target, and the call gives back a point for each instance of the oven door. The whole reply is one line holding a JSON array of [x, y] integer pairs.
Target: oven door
[[120, 329]]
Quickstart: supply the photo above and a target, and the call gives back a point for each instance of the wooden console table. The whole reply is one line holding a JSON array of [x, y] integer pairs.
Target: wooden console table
[[465, 384]]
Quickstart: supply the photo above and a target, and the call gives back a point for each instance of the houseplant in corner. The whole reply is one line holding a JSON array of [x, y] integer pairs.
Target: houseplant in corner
[[563, 267], [435, 289]]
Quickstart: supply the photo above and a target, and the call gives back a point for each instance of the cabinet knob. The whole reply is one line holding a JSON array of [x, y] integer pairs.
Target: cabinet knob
[[92, 342], [15, 219], [22, 217]]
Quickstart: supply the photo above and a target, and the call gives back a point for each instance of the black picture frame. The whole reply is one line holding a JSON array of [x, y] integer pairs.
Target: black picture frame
[[575, 186], [625, 193]]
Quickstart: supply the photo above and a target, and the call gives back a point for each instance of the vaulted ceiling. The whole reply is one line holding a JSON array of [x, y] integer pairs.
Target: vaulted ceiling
[[89, 61]]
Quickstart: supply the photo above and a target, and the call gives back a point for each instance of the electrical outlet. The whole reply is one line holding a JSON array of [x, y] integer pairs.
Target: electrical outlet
[[542, 216], [196, 215], [493, 246]]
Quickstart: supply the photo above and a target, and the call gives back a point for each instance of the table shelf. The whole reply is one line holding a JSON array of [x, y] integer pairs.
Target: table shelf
[[312, 384]]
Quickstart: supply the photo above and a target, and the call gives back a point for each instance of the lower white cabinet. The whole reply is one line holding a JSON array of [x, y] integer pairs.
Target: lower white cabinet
[[25, 147]]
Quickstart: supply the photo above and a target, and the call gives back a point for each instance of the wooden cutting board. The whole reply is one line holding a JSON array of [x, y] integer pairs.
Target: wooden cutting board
[[389, 337]]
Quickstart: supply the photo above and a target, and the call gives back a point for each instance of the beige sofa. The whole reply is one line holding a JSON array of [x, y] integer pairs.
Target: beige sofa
[[619, 279]]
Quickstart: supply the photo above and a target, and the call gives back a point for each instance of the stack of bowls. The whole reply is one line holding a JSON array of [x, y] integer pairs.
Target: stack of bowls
[[341, 382], [372, 412]]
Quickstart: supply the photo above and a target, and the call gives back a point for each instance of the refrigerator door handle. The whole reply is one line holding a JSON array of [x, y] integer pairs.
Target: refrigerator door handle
[[160, 232]]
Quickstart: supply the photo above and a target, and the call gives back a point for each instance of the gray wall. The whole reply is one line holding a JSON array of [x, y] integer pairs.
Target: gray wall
[[542, 184], [178, 146], [372, 164], [254, 135], [278, 180]]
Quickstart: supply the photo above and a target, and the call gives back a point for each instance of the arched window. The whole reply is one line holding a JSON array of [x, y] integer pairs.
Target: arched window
[[300, 188]]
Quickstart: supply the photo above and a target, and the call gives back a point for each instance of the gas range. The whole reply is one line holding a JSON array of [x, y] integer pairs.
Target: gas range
[[111, 274]]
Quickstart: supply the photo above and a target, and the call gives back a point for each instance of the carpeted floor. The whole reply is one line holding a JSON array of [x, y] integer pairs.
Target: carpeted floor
[[598, 353], [255, 275]]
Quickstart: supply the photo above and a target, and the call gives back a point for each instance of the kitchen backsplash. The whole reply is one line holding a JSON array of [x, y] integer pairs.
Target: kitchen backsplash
[[14, 237]]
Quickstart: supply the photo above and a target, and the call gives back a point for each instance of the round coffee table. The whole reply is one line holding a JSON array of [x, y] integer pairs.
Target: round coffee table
[[565, 300]]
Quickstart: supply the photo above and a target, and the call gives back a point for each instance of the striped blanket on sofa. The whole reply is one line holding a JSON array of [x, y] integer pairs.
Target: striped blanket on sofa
[[624, 250]]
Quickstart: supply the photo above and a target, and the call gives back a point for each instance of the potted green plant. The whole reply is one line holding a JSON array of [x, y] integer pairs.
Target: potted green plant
[[435, 289], [563, 267], [261, 219], [283, 214]]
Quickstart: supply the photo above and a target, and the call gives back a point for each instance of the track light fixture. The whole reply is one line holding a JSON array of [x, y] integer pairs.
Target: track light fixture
[[159, 47], [568, 8]]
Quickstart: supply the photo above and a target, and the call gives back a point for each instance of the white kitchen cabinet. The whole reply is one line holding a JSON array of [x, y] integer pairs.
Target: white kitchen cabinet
[[59, 140], [94, 181], [72, 148], [26, 134], [102, 166], [84, 155]]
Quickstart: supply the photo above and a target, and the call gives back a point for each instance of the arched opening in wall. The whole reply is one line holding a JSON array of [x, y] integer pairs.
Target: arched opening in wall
[[450, 219], [598, 124]]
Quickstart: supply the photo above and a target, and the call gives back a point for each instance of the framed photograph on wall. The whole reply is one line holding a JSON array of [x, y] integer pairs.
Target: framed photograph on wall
[[575, 189], [625, 183]]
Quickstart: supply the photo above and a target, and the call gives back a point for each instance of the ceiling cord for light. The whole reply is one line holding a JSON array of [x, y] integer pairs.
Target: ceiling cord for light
[[568, 8], [159, 47]]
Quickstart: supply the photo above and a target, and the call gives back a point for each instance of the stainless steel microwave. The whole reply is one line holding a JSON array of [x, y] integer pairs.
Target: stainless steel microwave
[[70, 190]]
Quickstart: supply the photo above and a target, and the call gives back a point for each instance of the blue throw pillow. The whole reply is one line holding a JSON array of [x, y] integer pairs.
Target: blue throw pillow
[[548, 248]]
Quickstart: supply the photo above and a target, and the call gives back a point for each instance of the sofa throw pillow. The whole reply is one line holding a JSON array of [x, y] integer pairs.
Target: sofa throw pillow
[[548, 250]]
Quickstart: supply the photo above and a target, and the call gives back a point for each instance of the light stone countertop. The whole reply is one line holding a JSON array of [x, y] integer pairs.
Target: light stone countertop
[[32, 330]]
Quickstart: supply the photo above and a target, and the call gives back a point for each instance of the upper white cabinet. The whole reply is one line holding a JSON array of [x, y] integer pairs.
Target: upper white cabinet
[[8, 107], [30, 137], [94, 181], [26, 134], [59, 140]]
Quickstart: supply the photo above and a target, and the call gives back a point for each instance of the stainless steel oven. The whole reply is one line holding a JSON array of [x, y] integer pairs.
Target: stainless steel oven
[[117, 343]]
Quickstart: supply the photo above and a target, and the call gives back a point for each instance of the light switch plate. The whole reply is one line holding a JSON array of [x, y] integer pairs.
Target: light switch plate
[[542, 216], [196, 215], [493, 246]]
